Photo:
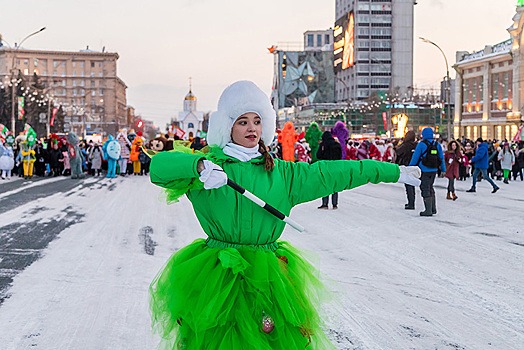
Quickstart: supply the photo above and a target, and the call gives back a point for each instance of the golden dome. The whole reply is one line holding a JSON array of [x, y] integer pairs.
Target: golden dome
[[190, 96]]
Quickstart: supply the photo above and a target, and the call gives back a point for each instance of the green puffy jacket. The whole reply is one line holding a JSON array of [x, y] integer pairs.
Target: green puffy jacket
[[230, 219]]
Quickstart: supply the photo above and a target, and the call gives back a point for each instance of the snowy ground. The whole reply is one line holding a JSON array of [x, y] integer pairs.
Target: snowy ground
[[453, 281]]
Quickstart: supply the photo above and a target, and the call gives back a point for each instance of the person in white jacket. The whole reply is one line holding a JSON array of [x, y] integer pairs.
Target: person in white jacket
[[7, 161], [507, 159]]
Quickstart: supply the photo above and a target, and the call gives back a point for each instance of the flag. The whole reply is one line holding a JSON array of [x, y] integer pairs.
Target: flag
[[30, 134], [21, 105], [3, 130], [179, 132], [203, 134], [55, 110]]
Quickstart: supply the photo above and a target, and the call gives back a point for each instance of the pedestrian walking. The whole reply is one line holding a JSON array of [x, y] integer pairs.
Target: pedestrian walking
[[480, 162], [95, 157], [453, 157]]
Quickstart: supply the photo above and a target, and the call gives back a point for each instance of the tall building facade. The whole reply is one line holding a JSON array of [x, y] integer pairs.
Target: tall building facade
[[373, 48], [304, 77], [84, 83], [489, 99]]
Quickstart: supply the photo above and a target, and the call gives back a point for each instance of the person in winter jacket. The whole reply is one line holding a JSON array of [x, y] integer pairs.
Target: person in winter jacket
[[135, 151], [453, 157], [302, 149], [352, 150], [96, 157], [507, 160], [480, 162], [243, 288], [55, 156], [404, 154], [519, 163], [329, 149], [428, 174]]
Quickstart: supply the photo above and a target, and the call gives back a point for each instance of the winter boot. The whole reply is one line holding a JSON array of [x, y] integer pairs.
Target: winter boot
[[448, 196], [433, 205], [472, 189], [506, 181], [495, 189], [454, 196], [409, 206], [428, 202]]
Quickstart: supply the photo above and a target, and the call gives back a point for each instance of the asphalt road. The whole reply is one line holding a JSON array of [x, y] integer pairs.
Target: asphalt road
[[21, 244]]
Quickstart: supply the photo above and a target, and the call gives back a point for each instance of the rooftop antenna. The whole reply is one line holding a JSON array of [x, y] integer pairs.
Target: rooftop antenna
[[190, 84]]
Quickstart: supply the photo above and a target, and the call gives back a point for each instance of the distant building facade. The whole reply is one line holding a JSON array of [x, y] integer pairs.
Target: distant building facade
[[84, 83], [373, 48], [489, 100]]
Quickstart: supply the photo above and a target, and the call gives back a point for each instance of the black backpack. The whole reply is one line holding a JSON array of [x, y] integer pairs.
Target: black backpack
[[430, 157]]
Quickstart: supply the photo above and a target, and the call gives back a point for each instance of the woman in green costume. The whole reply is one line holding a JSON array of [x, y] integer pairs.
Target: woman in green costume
[[243, 288]]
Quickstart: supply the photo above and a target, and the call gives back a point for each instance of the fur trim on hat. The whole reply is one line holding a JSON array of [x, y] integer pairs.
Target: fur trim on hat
[[237, 99]]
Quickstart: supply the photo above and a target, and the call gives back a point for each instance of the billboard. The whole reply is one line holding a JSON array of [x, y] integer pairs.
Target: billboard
[[344, 44]]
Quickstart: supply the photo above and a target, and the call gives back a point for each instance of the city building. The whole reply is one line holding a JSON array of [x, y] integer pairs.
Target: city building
[[490, 94], [190, 120], [304, 76], [84, 83], [373, 48]]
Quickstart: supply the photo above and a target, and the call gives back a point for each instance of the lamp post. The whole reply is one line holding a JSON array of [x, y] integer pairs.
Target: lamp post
[[17, 47], [448, 85]]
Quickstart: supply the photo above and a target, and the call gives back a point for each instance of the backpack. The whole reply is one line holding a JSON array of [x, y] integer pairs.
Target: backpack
[[430, 157]]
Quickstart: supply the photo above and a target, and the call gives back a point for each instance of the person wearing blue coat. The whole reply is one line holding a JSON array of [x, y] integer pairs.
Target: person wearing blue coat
[[428, 174], [481, 161]]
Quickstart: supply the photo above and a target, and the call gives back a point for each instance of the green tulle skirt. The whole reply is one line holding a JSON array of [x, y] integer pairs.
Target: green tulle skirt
[[238, 298]]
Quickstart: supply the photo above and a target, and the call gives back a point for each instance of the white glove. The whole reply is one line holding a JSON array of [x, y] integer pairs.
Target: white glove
[[450, 160], [410, 175], [213, 176]]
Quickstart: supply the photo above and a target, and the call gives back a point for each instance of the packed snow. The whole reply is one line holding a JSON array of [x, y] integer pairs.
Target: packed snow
[[399, 281]]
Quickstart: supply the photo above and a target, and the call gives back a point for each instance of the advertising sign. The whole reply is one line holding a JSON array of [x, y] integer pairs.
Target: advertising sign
[[344, 45]]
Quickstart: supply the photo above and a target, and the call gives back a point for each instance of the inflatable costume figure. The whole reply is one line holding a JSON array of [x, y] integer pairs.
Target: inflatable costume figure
[[341, 132], [75, 156], [313, 136], [111, 149], [288, 137]]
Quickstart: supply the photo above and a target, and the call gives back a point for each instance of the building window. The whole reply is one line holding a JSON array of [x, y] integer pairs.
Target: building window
[[101, 92], [319, 40], [327, 39], [310, 40], [92, 64], [190, 126], [35, 62]]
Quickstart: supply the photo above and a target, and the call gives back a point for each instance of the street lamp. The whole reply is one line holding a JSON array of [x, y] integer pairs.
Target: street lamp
[[448, 84], [17, 47]]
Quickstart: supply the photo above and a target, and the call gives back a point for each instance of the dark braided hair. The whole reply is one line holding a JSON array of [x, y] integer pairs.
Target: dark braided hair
[[269, 163]]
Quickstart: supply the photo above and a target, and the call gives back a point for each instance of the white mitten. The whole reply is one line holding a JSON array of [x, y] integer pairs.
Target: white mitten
[[410, 175], [213, 176]]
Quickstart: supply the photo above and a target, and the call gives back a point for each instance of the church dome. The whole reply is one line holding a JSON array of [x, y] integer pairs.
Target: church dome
[[190, 96]]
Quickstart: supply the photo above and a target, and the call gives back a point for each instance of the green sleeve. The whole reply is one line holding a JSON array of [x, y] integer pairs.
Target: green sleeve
[[176, 172], [311, 181]]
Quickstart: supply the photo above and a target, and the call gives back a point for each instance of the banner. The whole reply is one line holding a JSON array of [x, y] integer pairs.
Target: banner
[[55, 110], [30, 134], [385, 120], [21, 105]]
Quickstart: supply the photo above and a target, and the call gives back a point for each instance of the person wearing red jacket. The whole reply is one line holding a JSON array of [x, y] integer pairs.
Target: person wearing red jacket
[[453, 158]]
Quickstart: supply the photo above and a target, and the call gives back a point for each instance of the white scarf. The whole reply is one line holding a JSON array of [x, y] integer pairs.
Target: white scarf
[[241, 153]]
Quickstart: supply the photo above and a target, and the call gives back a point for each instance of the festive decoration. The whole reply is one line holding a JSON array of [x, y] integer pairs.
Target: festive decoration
[[21, 105], [267, 324], [520, 3], [3, 130]]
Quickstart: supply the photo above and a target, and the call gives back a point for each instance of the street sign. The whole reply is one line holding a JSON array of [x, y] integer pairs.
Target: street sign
[[42, 117]]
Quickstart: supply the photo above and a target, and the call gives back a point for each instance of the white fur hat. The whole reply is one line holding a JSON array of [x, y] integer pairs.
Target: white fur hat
[[237, 99]]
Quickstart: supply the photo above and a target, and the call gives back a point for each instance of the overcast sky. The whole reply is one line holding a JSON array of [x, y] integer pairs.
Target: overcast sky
[[162, 43]]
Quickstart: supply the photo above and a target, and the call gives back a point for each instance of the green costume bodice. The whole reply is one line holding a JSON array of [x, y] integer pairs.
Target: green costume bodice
[[230, 219]]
